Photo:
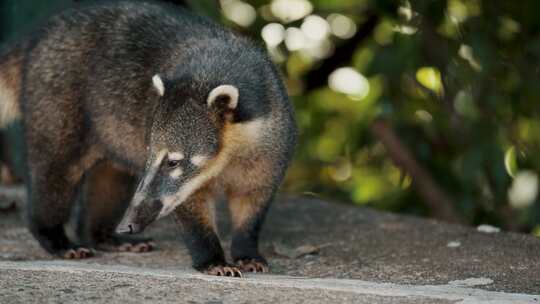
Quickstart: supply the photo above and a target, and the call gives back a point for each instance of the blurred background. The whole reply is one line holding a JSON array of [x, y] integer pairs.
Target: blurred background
[[424, 107]]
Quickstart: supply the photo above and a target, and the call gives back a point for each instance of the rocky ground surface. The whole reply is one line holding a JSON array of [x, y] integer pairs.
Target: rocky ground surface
[[319, 253]]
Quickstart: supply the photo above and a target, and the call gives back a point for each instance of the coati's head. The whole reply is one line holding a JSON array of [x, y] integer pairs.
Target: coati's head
[[185, 147]]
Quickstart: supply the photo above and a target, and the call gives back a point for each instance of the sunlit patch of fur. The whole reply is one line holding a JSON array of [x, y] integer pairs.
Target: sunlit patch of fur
[[9, 109]]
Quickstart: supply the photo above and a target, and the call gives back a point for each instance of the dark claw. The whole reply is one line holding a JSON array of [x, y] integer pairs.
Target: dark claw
[[238, 274], [124, 243], [70, 254], [224, 271], [77, 253], [125, 247], [142, 247], [83, 253], [253, 265]]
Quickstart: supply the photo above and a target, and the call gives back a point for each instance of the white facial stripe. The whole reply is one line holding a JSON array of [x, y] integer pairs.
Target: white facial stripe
[[176, 156], [158, 85], [139, 196], [176, 173], [173, 201], [199, 160], [155, 167]]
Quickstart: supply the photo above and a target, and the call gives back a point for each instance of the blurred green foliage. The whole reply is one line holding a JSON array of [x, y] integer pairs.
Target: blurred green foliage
[[456, 81]]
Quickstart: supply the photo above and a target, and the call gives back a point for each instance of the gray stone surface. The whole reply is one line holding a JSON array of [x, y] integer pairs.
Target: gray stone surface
[[112, 285], [357, 247], [60, 282]]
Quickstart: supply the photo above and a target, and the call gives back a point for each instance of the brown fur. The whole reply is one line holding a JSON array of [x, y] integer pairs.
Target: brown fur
[[107, 192], [10, 83], [82, 165], [199, 207]]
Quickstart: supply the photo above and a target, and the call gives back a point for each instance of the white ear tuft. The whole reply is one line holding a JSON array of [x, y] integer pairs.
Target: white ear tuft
[[224, 91], [158, 84]]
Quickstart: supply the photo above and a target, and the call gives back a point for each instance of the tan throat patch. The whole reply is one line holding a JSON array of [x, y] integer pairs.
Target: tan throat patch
[[235, 138]]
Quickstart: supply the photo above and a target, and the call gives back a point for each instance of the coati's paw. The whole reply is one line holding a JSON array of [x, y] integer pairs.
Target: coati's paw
[[253, 265], [224, 271], [124, 243], [77, 253], [137, 248]]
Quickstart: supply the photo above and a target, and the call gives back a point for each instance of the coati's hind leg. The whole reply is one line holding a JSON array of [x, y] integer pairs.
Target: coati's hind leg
[[106, 194], [52, 190], [196, 219], [248, 210]]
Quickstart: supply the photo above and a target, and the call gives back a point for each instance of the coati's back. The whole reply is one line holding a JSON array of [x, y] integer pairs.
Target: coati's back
[[101, 57], [106, 50]]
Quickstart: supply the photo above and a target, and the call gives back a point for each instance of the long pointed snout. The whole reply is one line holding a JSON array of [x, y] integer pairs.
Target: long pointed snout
[[128, 225], [137, 217]]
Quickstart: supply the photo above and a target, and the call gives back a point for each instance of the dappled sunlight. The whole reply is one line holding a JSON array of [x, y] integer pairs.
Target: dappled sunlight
[[384, 32], [273, 34], [295, 39], [349, 81], [239, 12], [315, 28], [524, 189], [423, 116], [291, 10], [465, 105], [430, 78], [466, 52], [341, 26], [510, 161], [426, 75]]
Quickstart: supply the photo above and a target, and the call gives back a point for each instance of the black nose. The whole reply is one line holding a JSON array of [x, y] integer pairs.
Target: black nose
[[129, 228]]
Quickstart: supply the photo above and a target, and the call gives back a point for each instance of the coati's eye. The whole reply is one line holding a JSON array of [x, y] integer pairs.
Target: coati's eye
[[172, 163], [173, 160]]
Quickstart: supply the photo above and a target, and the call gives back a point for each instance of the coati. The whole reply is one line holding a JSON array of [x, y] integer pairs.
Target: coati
[[148, 107]]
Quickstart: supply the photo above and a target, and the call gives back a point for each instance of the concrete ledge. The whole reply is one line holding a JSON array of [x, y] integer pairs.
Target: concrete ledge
[[305, 289], [321, 252]]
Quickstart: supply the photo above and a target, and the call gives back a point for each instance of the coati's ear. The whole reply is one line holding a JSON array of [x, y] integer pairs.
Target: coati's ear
[[158, 85], [224, 97]]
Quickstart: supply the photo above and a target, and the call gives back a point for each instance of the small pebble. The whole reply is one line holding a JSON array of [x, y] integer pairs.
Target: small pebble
[[488, 229], [454, 244]]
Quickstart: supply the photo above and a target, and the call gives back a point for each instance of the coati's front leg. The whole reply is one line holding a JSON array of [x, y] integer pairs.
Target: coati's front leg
[[196, 219], [248, 210], [106, 194]]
